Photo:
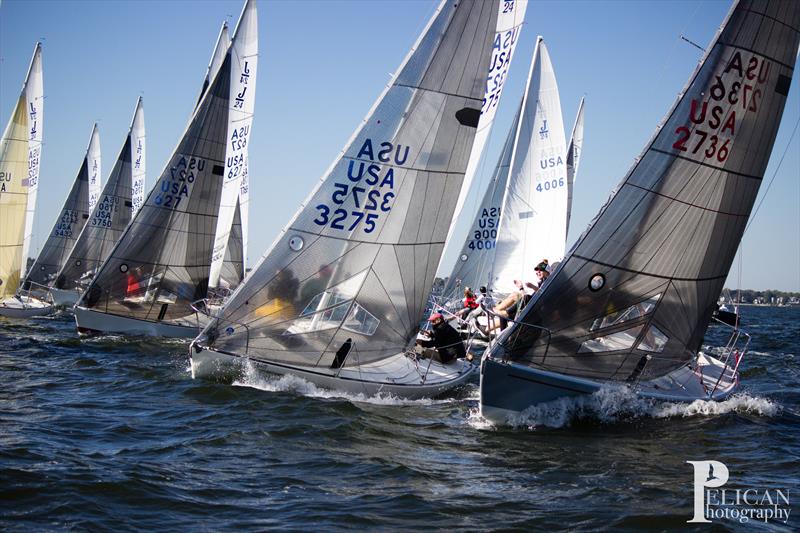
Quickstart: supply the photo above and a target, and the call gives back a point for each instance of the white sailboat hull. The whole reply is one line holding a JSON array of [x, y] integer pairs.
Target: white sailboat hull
[[507, 389], [64, 298], [399, 376], [24, 307], [95, 323]]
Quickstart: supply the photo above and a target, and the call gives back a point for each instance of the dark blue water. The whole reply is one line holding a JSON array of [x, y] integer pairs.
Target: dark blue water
[[112, 433]]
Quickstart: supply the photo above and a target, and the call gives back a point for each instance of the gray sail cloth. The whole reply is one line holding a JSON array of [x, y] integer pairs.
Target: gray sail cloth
[[161, 263], [233, 266], [474, 264], [357, 261], [105, 225], [68, 225], [635, 294]]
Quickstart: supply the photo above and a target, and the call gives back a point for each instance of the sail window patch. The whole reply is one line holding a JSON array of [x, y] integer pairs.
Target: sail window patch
[[336, 307], [597, 282], [296, 243], [653, 341], [361, 321], [621, 340], [123, 268], [464, 257], [628, 314]]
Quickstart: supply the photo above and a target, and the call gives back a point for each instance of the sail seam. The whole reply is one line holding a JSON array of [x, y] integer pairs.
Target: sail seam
[[438, 92], [643, 273], [684, 202], [721, 169], [410, 169], [773, 19], [752, 51], [365, 242]]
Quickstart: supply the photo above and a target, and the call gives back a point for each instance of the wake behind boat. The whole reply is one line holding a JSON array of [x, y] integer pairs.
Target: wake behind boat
[[632, 300], [339, 297]]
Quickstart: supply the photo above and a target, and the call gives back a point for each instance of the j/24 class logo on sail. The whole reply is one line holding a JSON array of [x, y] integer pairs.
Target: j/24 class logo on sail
[[737, 89], [369, 187]]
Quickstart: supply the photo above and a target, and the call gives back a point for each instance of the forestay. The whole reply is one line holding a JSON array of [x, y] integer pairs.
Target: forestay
[[111, 215], [532, 223], [357, 260], [20, 153], [161, 264], [635, 296], [71, 218]]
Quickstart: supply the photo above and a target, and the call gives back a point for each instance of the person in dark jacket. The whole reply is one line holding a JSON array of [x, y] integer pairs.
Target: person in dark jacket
[[445, 339]]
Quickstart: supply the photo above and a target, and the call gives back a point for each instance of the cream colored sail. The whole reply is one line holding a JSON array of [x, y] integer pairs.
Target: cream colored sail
[[20, 150]]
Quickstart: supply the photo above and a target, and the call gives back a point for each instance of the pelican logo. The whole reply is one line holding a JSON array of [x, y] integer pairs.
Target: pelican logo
[[742, 505]]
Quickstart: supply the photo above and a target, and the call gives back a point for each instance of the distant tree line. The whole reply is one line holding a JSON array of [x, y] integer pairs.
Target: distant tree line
[[749, 295]]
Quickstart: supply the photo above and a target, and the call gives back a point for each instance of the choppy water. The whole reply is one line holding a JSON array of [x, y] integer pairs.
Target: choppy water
[[112, 433]]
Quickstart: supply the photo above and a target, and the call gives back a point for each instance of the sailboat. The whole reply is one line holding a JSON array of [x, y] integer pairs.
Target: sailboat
[[339, 297], [108, 219], [161, 265], [20, 156], [526, 201], [630, 303]]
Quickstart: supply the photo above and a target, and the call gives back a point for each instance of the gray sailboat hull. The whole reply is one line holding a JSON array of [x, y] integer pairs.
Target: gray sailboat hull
[[508, 389]]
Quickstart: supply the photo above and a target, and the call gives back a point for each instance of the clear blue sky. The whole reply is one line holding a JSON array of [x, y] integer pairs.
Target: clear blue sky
[[323, 63]]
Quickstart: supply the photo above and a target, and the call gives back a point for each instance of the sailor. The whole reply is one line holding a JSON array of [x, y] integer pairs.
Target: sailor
[[470, 303], [446, 340]]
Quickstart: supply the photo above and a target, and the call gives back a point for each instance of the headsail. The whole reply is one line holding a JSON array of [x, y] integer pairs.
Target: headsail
[[574, 152], [356, 262], [110, 216], [243, 55], [71, 218], [160, 266], [636, 293], [233, 267], [507, 33], [533, 219], [20, 153]]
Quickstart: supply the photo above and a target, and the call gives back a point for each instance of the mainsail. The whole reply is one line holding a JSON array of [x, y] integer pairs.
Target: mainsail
[[20, 154], [161, 264], [637, 291], [574, 152], [355, 263], [532, 222], [71, 218], [110, 216]]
